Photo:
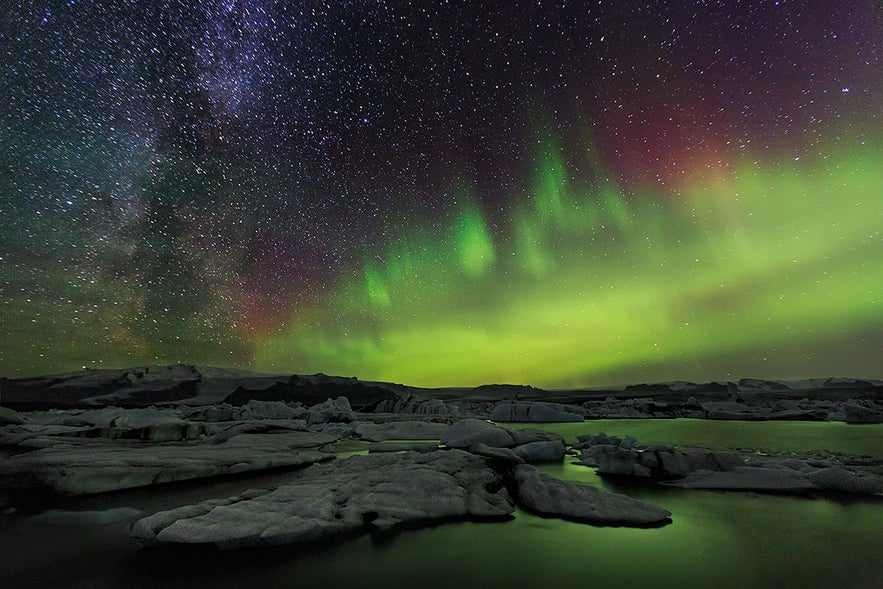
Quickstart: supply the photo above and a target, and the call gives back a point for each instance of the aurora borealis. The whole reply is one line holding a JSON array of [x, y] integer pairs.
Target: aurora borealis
[[560, 194]]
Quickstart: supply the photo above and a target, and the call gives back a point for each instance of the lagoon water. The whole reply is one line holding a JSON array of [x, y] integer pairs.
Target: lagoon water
[[716, 539]]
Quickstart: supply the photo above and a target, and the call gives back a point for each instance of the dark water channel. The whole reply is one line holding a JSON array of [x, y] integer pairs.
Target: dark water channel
[[716, 539]]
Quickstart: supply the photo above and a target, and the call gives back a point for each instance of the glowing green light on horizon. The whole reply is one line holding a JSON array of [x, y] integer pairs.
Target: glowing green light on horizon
[[761, 263]]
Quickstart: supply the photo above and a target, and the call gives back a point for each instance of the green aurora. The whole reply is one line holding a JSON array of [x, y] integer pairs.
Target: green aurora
[[443, 193], [591, 283]]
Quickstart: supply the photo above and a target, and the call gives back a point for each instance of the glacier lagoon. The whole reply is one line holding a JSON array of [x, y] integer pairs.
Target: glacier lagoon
[[725, 539]]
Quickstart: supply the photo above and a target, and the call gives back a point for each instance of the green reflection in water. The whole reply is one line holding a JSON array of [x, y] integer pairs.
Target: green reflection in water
[[716, 539], [796, 436], [726, 540]]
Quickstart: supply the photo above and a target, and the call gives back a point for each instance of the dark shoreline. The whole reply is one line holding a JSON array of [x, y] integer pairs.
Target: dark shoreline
[[194, 386]]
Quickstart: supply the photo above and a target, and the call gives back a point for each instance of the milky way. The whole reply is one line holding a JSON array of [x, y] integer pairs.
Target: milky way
[[444, 193]]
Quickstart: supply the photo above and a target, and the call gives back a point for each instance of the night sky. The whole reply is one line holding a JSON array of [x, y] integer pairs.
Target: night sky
[[444, 193]]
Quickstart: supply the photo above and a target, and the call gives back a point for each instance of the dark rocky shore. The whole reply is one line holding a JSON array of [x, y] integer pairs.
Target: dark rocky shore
[[828, 399], [432, 453]]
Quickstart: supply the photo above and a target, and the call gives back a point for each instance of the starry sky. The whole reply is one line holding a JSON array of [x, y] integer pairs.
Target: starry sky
[[554, 193]]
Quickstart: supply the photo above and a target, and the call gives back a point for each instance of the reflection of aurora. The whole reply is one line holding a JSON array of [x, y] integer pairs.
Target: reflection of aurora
[[584, 284]]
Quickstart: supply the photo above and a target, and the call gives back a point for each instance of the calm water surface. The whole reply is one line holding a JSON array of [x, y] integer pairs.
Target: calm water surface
[[798, 436], [716, 539]]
